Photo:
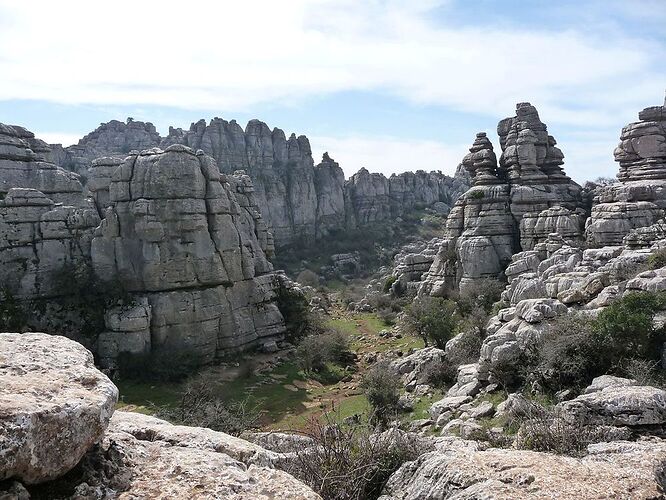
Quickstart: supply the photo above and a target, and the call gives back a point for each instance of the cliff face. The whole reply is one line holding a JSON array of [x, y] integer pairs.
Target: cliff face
[[639, 199], [176, 234], [299, 201], [45, 220], [188, 242], [512, 205]]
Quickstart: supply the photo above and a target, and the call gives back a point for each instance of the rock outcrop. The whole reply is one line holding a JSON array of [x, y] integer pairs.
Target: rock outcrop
[[639, 199], [512, 206], [299, 201], [176, 234], [54, 405], [611, 470], [45, 219], [54, 410], [114, 138]]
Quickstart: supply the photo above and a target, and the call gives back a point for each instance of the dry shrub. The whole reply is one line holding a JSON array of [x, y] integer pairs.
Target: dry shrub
[[201, 406], [545, 429], [351, 462]]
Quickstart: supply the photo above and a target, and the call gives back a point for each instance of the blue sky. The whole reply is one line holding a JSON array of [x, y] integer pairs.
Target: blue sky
[[389, 85]]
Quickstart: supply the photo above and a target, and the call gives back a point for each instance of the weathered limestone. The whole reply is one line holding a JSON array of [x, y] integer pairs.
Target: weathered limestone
[[23, 164], [299, 202], [45, 219], [611, 470], [640, 197], [176, 233], [114, 138], [54, 405], [619, 404], [99, 176], [512, 206]]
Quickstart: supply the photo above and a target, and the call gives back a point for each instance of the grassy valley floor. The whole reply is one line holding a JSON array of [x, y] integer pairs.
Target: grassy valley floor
[[286, 396]]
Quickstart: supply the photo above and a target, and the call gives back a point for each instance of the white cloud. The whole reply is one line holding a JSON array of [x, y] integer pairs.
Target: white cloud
[[389, 155], [232, 55], [59, 138]]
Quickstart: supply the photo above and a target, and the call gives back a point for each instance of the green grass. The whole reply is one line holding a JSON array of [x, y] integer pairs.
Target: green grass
[[282, 407]]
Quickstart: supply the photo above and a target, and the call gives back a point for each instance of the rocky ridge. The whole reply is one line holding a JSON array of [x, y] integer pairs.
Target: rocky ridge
[[187, 242], [300, 201], [513, 204]]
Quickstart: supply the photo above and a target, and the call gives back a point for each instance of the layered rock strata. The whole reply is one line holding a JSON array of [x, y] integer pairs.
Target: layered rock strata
[[46, 221], [640, 197], [176, 234], [57, 429], [513, 205], [300, 201]]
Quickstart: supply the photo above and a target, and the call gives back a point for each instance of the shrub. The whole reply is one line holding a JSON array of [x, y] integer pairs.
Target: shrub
[[350, 462], [657, 260], [380, 385], [200, 406], [577, 348], [544, 429], [479, 295], [298, 318], [565, 356], [308, 278], [477, 194], [388, 316], [432, 318], [389, 283], [314, 351], [624, 330]]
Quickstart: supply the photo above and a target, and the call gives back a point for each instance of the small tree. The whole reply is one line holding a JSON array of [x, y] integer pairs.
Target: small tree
[[380, 385], [433, 319]]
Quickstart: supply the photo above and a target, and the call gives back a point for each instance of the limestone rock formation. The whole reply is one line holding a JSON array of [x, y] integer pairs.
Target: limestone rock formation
[[99, 179], [512, 205], [114, 138], [176, 234], [611, 470], [299, 202], [54, 410], [640, 198], [54, 405], [45, 219]]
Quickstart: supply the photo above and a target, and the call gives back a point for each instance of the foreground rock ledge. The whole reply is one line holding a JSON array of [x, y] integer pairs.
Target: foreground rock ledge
[[631, 470], [54, 405]]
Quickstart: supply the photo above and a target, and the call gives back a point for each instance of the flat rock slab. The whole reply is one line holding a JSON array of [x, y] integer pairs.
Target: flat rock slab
[[54, 405]]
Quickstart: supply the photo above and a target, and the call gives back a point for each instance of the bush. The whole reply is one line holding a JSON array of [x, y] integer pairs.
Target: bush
[[565, 356], [388, 316], [298, 318], [476, 195], [380, 385], [657, 260], [479, 295], [389, 283], [577, 348], [543, 429], [316, 350], [200, 406], [308, 278], [434, 319], [350, 462], [624, 330]]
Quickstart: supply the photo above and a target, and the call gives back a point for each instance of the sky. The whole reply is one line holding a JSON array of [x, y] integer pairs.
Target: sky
[[389, 85]]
